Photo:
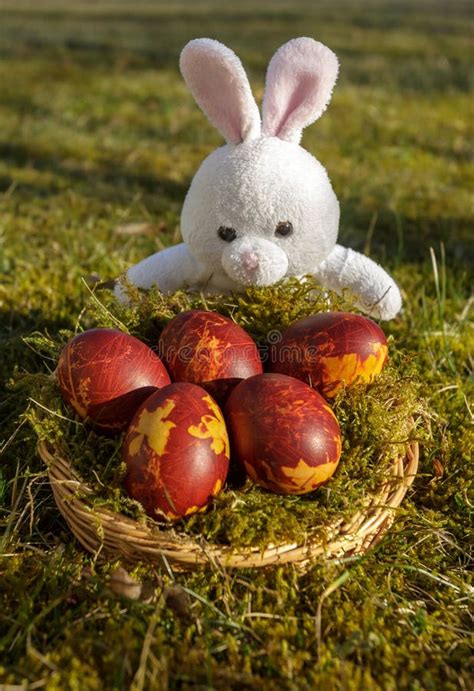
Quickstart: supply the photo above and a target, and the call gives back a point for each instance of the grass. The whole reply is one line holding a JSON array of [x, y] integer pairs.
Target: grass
[[97, 132]]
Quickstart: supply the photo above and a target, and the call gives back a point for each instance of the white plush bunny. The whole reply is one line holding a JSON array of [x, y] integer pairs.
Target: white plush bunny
[[261, 207]]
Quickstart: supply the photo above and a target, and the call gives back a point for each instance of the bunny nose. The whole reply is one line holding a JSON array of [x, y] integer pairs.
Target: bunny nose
[[250, 261], [254, 261]]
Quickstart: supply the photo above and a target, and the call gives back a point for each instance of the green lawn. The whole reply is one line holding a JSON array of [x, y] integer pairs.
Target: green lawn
[[97, 131]]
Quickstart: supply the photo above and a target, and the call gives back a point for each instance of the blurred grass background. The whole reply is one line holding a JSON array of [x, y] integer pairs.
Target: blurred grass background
[[97, 131]]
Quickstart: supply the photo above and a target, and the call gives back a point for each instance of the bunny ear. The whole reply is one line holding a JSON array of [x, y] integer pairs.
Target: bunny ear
[[217, 80], [299, 83]]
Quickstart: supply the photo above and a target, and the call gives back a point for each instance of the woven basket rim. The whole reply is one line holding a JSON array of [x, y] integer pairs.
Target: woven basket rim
[[111, 534]]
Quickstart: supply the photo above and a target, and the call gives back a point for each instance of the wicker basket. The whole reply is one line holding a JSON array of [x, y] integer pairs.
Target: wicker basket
[[113, 535]]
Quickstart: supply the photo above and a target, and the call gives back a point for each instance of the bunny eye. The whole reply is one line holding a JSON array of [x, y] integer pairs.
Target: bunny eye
[[227, 234], [284, 229]]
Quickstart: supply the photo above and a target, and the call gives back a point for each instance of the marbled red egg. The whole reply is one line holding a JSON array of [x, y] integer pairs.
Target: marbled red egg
[[176, 451], [105, 375], [331, 350], [209, 349], [284, 433]]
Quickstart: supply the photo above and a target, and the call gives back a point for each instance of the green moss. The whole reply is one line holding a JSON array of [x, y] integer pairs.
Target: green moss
[[377, 421]]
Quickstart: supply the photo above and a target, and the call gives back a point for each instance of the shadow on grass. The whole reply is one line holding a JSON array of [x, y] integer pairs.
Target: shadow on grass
[[14, 327], [130, 36], [101, 181], [17, 358], [399, 238]]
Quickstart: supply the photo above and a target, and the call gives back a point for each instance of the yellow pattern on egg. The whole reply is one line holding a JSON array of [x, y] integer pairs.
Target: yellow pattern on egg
[[154, 427], [373, 364], [212, 427], [208, 357], [348, 368], [192, 509], [305, 477], [217, 487]]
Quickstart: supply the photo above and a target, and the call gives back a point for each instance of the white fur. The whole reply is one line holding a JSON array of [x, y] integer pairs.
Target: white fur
[[259, 180], [169, 269], [377, 292], [251, 188], [254, 261]]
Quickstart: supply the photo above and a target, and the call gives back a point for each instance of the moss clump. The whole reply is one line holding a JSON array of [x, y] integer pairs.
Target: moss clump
[[377, 421]]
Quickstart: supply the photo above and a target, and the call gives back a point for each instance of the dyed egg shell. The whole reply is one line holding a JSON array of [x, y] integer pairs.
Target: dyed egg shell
[[176, 451], [330, 350], [284, 433], [105, 375], [208, 349]]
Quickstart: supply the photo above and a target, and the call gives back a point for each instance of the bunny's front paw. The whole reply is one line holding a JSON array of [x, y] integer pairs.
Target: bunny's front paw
[[375, 291], [387, 306]]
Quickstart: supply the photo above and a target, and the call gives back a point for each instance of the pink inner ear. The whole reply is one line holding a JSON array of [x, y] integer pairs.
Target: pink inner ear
[[218, 82], [296, 100], [299, 83], [218, 98]]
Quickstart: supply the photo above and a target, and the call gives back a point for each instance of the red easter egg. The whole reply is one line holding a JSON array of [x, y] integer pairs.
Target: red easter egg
[[105, 375], [176, 451], [284, 433], [208, 349], [330, 350]]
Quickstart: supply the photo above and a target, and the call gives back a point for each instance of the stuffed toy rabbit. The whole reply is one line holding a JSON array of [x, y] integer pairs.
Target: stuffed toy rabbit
[[261, 207]]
